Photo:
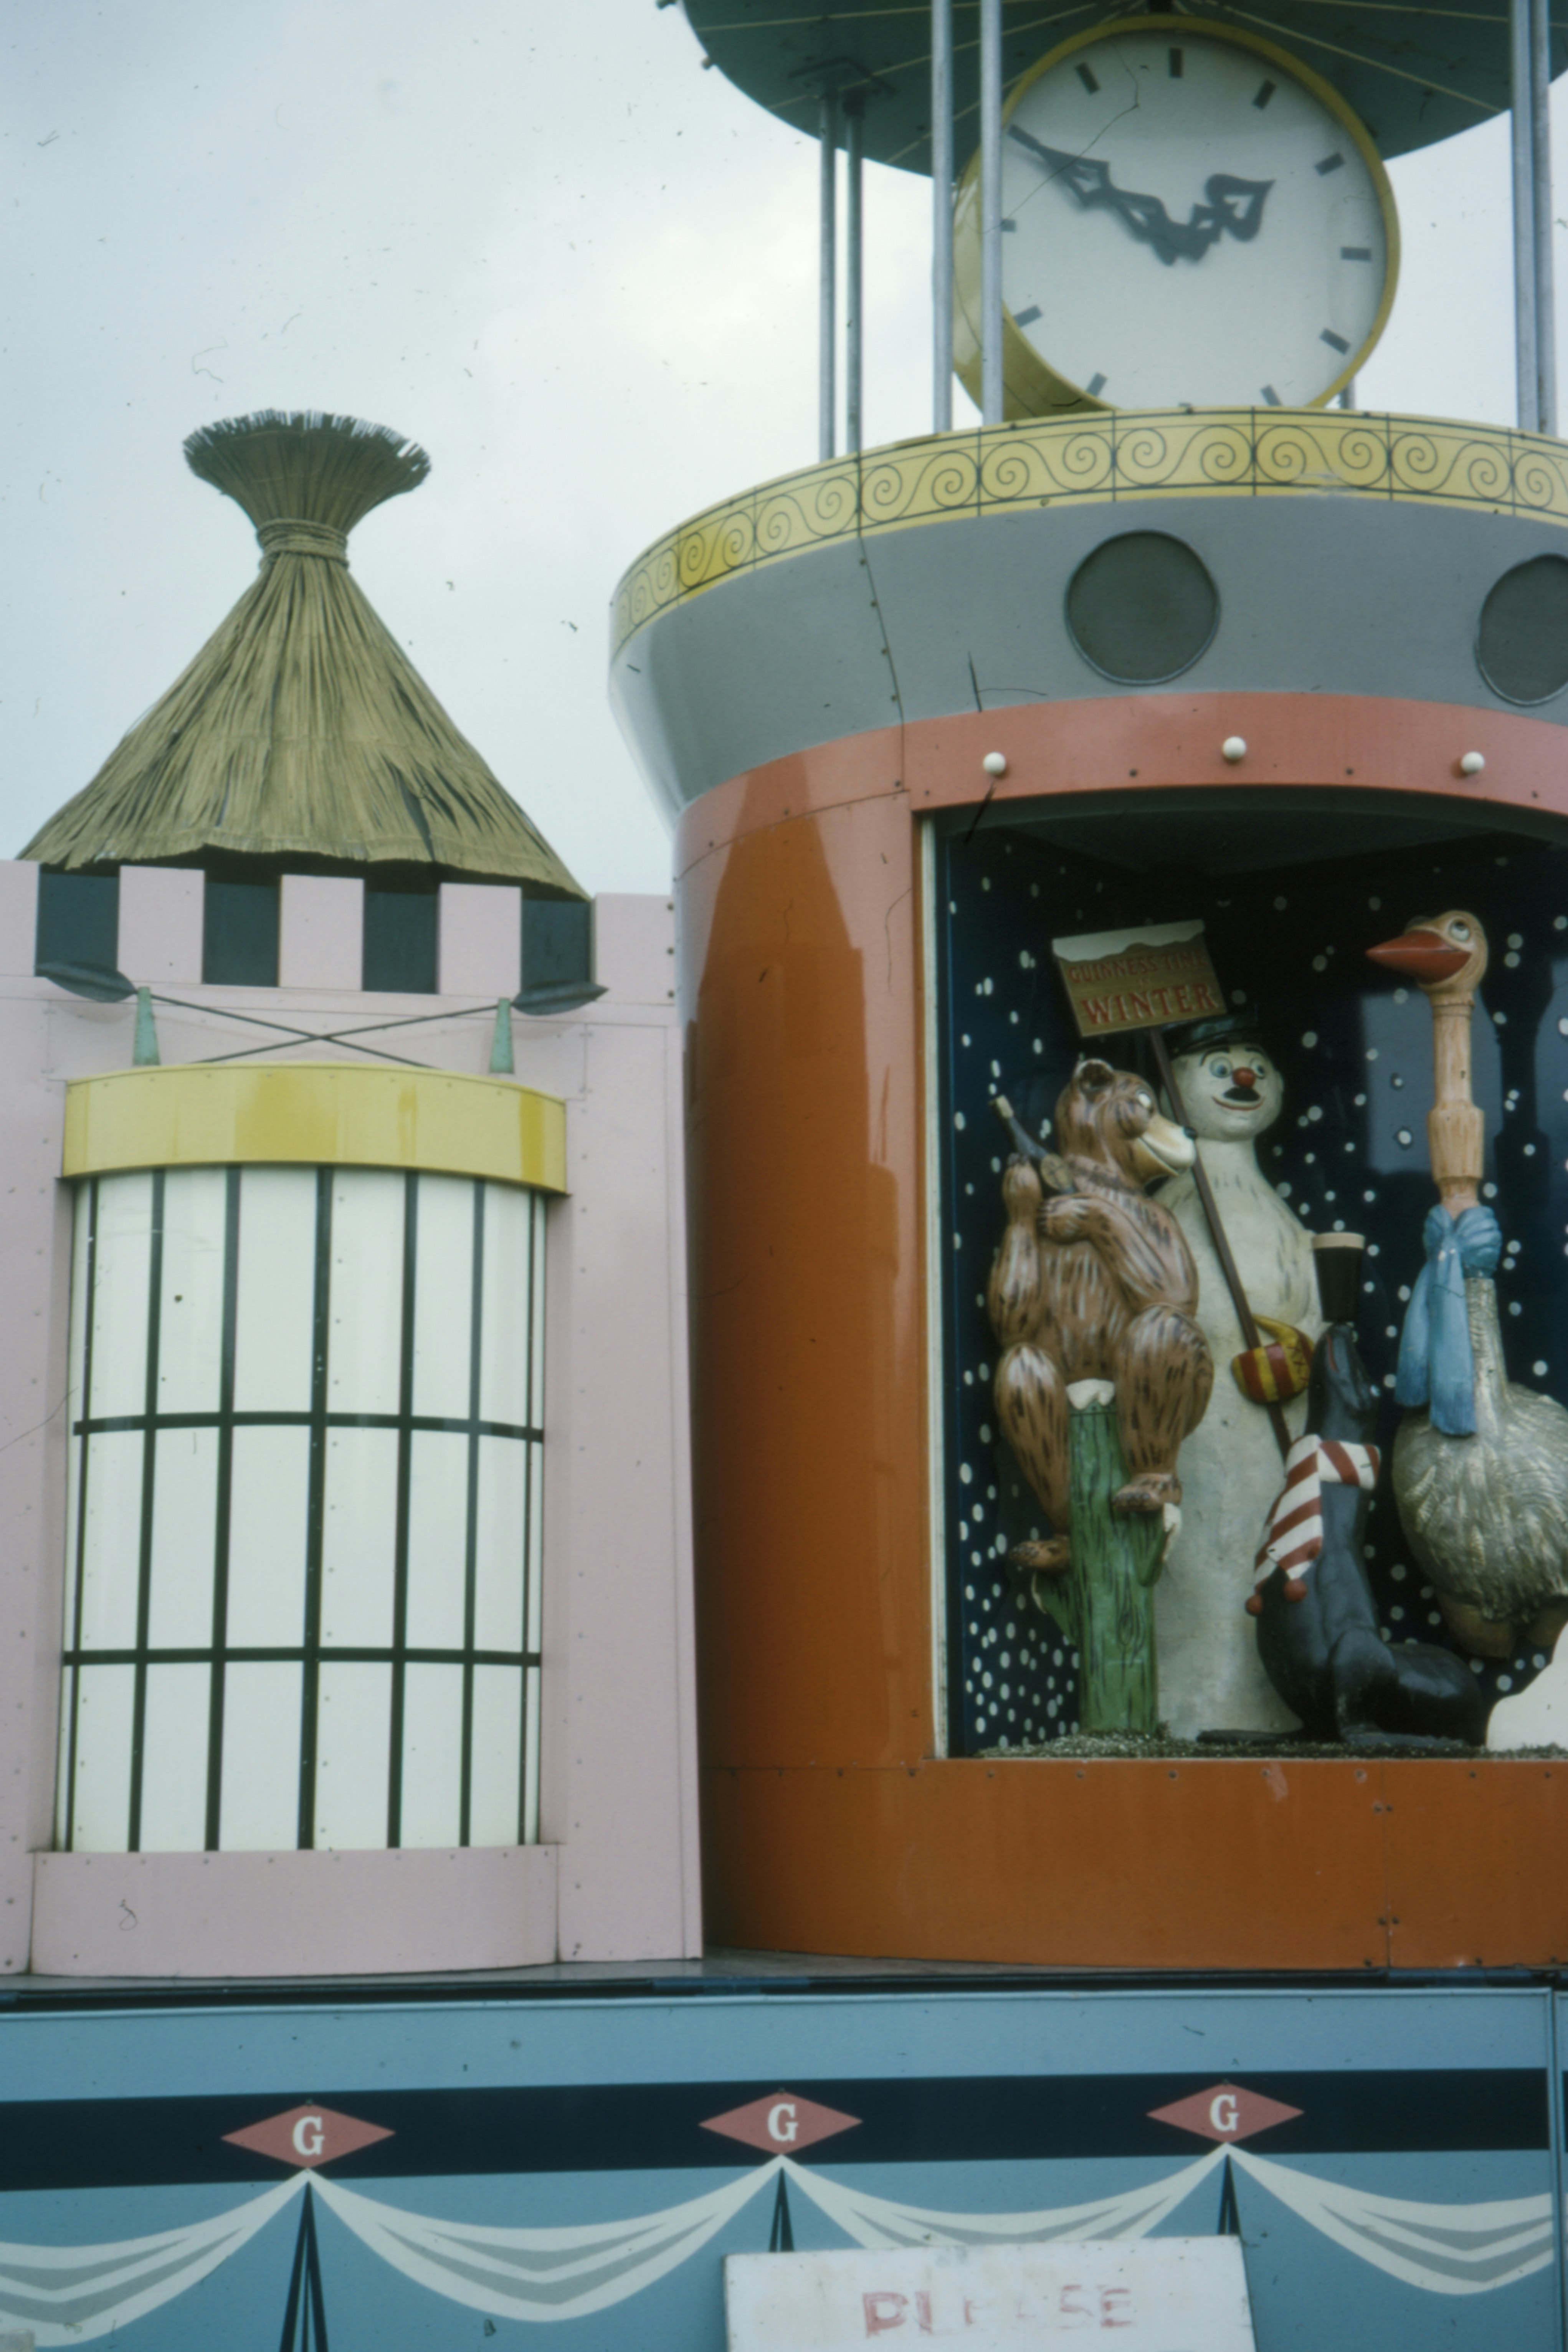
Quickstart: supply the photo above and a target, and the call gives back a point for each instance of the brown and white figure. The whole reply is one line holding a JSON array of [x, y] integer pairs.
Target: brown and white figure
[[1097, 1284], [1211, 1678]]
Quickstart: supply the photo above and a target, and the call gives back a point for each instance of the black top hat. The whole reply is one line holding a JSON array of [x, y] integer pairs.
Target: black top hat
[[1243, 1027]]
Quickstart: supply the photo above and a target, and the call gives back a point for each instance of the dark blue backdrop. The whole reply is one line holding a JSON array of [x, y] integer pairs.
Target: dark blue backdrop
[[1350, 1149]]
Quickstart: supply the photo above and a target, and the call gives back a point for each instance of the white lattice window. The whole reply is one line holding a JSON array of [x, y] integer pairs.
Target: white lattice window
[[303, 1557]]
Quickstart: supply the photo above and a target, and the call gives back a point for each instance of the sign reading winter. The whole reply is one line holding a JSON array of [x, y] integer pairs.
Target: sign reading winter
[[1138, 979], [1153, 2295]]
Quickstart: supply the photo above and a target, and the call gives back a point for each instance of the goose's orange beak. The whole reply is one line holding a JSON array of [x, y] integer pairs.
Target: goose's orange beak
[[1425, 957]]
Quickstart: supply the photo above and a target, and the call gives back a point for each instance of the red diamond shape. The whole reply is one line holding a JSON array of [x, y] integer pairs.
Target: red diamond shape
[[308, 2136], [1225, 2113], [781, 2123]]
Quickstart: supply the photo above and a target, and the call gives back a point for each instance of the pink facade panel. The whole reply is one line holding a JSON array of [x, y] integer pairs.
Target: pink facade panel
[[18, 916], [634, 948], [35, 1277], [621, 1629], [161, 925], [289, 1914], [481, 939], [321, 931]]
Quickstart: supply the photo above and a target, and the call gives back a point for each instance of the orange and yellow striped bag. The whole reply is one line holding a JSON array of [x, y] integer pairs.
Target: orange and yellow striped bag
[[1279, 1370]]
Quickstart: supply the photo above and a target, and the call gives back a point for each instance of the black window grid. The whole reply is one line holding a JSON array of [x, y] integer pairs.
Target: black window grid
[[312, 1653]]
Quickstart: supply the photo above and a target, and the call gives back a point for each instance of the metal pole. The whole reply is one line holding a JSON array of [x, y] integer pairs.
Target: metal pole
[[942, 215], [1524, 317], [1540, 178], [1555, 2114], [991, 209], [854, 338], [827, 299]]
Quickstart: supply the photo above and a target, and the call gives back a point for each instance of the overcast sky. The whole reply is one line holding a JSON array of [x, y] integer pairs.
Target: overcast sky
[[532, 235]]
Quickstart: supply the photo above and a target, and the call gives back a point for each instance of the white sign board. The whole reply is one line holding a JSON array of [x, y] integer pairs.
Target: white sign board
[[1144, 2294]]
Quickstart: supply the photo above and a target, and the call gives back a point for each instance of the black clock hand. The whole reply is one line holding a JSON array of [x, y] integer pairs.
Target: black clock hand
[[1235, 207]]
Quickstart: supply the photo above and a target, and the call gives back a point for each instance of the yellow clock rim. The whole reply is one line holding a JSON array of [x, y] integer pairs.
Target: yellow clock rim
[[1031, 387]]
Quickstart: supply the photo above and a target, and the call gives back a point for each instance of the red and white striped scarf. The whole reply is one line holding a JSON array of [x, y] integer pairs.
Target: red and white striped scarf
[[1294, 1535]]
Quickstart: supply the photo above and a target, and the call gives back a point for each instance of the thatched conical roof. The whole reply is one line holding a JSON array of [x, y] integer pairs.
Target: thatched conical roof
[[301, 729]]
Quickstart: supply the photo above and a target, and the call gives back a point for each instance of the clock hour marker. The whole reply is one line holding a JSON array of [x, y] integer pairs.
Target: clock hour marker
[[1355, 253], [1176, 64], [1329, 163], [1271, 398], [1027, 318], [1266, 91], [1087, 79], [1009, 225], [1095, 386], [1335, 342]]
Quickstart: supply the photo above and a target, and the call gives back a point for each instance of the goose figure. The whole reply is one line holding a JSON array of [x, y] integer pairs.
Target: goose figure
[[1481, 1465]]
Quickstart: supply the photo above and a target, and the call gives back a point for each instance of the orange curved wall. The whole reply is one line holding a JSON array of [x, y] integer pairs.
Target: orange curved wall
[[830, 1822], [802, 1078]]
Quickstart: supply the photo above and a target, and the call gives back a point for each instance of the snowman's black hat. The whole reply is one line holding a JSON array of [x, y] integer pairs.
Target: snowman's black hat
[[1243, 1027]]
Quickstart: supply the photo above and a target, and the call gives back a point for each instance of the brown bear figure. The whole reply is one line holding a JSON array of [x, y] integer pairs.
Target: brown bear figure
[[1099, 1284]]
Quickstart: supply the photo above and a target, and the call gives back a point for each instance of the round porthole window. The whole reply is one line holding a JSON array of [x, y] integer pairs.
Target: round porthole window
[[1141, 608], [1522, 644]]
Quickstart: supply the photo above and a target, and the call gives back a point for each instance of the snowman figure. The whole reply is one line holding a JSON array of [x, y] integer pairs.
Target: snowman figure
[[1211, 1678]]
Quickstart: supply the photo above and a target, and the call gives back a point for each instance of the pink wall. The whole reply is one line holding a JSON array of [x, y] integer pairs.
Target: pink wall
[[321, 932], [616, 1878], [480, 940], [292, 1914], [160, 926]]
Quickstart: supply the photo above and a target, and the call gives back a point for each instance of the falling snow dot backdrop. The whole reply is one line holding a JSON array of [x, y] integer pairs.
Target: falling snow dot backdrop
[[1348, 1153]]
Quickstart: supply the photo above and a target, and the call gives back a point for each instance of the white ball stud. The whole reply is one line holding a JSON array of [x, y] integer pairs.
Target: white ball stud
[[1472, 763], [1234, 748], [994, 763]]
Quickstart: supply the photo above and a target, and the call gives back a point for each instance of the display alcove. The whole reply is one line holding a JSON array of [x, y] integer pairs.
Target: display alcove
[[1292, 889]]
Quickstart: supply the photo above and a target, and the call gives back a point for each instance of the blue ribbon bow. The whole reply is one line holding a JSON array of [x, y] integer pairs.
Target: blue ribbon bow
[[1436, 1364]]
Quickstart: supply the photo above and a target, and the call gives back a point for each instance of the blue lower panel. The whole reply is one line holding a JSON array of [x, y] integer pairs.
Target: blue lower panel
[[546, 2171]]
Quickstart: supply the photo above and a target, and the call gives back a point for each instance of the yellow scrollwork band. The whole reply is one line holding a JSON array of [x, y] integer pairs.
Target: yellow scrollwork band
[[323, 1114], [1117, 456]]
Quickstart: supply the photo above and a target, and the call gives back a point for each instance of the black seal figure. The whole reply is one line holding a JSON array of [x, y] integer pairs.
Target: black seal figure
[[1317, 1626]]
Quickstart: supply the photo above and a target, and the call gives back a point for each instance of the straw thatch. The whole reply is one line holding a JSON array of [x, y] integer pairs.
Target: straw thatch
[[302, 731]]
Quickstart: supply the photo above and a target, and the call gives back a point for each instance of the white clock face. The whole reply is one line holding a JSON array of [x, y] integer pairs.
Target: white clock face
[[1186, 221]]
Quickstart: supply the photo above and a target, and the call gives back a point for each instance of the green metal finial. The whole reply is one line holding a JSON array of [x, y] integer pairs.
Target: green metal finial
[[502, 1062], [144, 1054]]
